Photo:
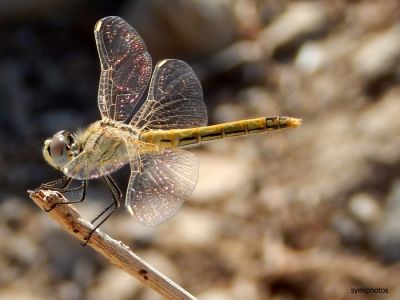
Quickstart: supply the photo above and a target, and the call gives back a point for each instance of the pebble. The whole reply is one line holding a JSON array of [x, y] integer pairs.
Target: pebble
[[221, 177], [385, 237], [125, 228], [217, 294], [245, 289], [69, 291], [378, 55], [300, 18], [380, 123], [240, 53], [393, 200], [364, 208], [194, 227], [227, 112], [20, 294], [23, 249], [311, 57], [13, 212], [149, 294], [162, 263], [113, 283], [350, 231], [257, 102]]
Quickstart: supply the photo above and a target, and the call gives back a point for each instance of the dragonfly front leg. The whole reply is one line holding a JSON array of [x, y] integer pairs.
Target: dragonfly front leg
[[58, 185], [62, 185]]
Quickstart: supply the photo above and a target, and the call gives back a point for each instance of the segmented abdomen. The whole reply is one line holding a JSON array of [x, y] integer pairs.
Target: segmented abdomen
[[189, 136]]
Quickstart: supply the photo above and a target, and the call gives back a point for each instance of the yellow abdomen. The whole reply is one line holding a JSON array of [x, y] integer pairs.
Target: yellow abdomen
[[189, 136]]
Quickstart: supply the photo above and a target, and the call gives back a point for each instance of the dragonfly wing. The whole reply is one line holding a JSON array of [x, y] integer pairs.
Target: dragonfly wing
[[175, 99], [125, 67], [104, 153], [161, 180]]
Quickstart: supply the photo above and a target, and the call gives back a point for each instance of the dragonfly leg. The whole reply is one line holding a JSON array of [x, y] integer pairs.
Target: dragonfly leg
[[57, 185], [82, 187], [116, 195], [62, 185]]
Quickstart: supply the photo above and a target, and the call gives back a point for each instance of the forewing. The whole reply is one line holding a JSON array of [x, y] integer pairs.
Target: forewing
[[104, 153], [161, 180], [175, 99], [125, 67]]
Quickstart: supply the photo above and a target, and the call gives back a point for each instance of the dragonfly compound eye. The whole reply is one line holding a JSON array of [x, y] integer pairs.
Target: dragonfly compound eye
[[59, 148]]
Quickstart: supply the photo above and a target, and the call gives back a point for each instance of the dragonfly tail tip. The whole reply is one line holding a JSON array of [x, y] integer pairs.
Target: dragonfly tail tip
[[295, 122]]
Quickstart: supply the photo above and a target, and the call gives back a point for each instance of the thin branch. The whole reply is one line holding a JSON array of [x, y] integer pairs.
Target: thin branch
[[115, 251]]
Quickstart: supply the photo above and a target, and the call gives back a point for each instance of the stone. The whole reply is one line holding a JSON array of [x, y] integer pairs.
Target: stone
[[364, 207], [311, 57], [221, 177], [194, 227], [379, 54], [114, 283], [299, 19], [385, 237]]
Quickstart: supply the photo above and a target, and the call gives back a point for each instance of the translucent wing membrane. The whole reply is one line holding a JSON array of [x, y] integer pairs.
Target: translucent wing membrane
[[175, 99], [103, 153], [161, 180], [125, 67]]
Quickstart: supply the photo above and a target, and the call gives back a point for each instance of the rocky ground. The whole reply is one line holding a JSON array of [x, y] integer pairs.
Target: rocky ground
[[310, 213]]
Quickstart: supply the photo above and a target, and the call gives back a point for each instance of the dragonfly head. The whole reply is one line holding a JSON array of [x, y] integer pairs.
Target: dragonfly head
[[60, 149]]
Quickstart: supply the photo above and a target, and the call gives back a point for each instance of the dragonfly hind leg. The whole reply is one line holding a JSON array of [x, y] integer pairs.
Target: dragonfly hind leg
[[111, 208], [62, 185]]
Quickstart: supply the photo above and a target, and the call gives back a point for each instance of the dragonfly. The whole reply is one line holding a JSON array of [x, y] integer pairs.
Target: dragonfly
[[148, 135]]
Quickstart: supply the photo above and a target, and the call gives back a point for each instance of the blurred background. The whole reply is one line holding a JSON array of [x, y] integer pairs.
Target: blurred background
[[308, 213]]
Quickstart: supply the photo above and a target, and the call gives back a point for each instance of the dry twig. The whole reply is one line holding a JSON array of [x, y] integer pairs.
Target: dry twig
[[115, 251]]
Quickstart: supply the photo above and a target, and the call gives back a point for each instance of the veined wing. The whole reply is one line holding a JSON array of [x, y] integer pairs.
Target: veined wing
[[104, 153], [125, 67], [161, 180], [175, 99]]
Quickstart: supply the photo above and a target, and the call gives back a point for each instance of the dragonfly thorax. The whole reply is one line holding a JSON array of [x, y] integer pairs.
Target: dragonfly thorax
[[60, 149], [133, 132]]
